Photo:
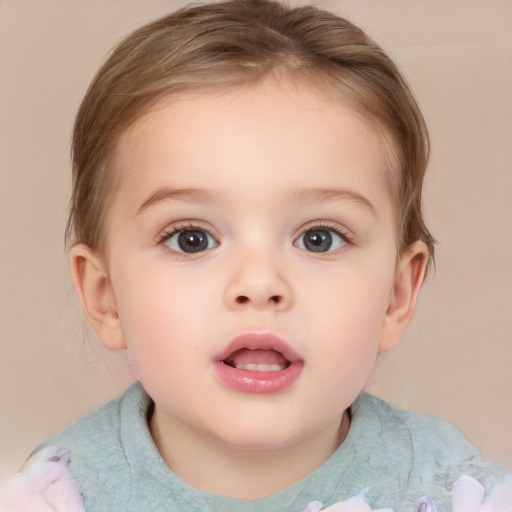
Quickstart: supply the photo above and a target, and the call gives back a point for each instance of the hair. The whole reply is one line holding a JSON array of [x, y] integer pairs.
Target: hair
[[234, 43]]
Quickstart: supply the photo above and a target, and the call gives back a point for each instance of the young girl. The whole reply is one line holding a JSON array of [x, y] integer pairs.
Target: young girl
[[246, 221]]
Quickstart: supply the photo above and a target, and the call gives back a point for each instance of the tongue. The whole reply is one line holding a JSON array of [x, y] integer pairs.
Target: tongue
[[244, 356]]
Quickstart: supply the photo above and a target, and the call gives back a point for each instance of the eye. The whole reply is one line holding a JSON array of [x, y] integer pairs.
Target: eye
[[321, 239], [189, 240]]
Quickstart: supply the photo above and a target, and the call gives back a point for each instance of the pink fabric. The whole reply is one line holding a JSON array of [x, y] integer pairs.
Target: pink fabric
[[43, 485], [467, 496]]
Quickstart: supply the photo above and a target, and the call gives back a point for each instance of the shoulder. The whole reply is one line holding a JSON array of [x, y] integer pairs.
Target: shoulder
[[97, 441], [96, 432], [438, 452], [422, 431], [96, 428]]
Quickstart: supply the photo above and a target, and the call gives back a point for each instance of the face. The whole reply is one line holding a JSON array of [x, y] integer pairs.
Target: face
[[252, 261]]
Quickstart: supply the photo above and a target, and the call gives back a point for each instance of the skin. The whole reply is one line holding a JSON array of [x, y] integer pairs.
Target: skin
[[255, 169]]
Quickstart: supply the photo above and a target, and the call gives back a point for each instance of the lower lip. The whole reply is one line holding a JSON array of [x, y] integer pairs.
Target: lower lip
[[247, 381]]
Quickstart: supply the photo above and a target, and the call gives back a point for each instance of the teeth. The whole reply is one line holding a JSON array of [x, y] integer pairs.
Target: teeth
[[260, 367]]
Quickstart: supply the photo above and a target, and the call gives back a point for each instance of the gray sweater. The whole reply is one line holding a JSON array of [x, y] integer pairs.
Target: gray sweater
[[398, 456]]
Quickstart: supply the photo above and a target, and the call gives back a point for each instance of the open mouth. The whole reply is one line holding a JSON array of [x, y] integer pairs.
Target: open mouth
[[257, 360], [258, 363]]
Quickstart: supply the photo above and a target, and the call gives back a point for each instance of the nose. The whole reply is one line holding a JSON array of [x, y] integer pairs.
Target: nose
[[256, 281]]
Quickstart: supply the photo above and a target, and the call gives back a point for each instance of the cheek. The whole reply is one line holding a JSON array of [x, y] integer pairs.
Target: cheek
[[348, 313], [163, 313], [148, 309], [355, 298]]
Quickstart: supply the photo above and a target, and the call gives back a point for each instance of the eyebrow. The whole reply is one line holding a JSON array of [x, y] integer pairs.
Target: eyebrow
[[310, 195], [314, 195], [180, 194]]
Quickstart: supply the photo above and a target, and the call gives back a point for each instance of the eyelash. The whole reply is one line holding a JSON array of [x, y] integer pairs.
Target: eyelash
[[334, 228], [169, 233]]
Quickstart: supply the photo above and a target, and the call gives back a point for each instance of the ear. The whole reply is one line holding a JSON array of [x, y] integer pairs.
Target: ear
[[409, 276], [96, 295]]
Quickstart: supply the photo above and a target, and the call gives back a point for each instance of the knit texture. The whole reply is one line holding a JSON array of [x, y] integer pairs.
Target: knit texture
[[396, 455]]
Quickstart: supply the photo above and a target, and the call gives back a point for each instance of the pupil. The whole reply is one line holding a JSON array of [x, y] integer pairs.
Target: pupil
[[192, 241], [318, 240]]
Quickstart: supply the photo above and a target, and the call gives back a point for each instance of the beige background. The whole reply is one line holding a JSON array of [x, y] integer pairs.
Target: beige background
[[456, 359]]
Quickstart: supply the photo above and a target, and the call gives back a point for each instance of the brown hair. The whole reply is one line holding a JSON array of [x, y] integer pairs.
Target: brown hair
[[233, 43]]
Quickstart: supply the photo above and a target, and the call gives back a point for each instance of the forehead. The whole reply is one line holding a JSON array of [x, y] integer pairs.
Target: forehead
[[276, 130]]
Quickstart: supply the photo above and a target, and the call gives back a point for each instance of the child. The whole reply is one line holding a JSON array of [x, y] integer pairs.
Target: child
[[246, 221]]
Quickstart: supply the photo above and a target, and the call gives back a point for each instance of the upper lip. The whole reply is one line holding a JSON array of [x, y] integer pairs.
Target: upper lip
[[259, 341]]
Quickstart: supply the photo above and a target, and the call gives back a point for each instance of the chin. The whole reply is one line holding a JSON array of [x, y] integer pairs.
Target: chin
[[255, 438]]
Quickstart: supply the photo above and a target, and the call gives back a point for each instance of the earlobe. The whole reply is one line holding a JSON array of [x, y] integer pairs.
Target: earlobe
[[409, 277], [94, 290]]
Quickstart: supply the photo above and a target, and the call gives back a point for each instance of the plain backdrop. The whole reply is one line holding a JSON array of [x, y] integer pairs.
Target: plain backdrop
[[455, 361]]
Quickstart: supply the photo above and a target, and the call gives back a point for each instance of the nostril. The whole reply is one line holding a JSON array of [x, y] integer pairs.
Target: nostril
[[242, 299]]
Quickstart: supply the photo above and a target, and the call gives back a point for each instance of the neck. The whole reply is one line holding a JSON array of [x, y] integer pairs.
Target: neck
[[212, 466]]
